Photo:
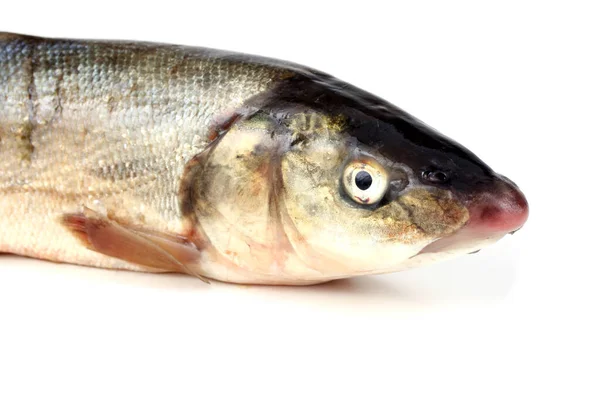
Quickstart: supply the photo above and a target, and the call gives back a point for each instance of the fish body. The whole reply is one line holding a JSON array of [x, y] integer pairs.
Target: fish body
[[164, 158]]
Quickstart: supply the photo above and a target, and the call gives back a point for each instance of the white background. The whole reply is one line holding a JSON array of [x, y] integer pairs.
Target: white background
[[518, 83]]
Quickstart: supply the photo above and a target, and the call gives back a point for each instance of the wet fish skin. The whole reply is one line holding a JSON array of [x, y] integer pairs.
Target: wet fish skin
[[130, 115], [166, 158]]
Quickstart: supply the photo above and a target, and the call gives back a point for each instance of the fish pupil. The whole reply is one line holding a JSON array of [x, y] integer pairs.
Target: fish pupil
[[363, 180]]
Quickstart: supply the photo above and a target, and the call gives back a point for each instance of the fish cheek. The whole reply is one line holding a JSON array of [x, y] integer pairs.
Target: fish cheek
[[435, 212], [314, 214]]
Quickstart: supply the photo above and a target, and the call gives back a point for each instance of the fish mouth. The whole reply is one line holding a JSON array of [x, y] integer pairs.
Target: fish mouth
[[498, 209]]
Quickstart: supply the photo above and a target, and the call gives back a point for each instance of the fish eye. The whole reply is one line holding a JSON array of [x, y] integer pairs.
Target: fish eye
[[435, 176], [365, 181]]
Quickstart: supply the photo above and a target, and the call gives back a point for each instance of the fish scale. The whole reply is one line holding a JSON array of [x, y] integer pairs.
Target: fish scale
[[119, 105]]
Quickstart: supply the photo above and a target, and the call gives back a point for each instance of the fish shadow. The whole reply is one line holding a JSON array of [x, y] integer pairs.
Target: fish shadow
[[482, 278], [485, 277], [442, 285]]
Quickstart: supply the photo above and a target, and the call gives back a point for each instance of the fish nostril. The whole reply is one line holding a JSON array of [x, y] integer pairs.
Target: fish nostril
[[435, 176]]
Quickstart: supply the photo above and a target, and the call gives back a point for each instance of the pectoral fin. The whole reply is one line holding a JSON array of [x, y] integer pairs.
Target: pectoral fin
[[156, 251]]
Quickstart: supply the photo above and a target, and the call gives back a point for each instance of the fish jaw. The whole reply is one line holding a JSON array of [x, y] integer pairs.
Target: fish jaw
[[494, 211]]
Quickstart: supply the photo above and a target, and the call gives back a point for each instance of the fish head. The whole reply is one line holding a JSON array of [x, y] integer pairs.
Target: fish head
[[381, 189], [326, 181]]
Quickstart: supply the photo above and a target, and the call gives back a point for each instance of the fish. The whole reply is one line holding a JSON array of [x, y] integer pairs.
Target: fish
[[226, 166]]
